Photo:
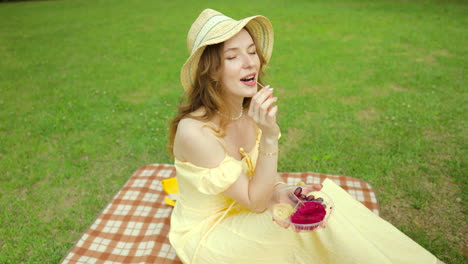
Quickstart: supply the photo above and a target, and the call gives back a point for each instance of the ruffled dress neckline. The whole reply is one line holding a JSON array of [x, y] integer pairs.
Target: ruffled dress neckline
[[246, 155]]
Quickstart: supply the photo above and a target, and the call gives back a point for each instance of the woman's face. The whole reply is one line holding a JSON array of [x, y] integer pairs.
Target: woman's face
[[241, 65]]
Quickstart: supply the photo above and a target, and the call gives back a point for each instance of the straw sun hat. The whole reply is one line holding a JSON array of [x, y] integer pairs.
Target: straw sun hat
[[212, 27]]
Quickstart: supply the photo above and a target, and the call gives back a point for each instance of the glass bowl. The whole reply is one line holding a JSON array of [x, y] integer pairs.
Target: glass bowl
[[315, 208]]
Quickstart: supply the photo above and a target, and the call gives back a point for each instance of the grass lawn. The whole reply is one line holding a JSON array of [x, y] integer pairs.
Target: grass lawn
[[370, 89]]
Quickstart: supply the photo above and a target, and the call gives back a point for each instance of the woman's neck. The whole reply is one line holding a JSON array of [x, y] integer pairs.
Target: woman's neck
[[236, 108]]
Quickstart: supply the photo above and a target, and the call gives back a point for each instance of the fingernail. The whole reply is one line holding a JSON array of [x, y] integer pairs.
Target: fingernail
[[271, 89]]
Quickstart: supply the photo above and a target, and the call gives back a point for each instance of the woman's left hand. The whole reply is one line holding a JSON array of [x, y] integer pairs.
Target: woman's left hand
[[311, 188], [288, 197]]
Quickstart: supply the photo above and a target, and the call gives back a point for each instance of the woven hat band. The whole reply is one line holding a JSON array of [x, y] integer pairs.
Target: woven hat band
[[207, 30]]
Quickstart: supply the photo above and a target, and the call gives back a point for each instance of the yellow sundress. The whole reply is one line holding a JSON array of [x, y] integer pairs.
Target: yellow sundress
[[208, 227]]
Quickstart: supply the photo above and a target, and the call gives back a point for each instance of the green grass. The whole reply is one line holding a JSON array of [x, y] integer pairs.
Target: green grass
[[369, 89]]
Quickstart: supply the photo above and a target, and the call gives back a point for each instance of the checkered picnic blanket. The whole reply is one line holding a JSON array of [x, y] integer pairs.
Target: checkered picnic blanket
[[133, 228]]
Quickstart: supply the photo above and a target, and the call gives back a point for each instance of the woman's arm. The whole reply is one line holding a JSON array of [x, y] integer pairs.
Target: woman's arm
[[196, 143], [256, 192]]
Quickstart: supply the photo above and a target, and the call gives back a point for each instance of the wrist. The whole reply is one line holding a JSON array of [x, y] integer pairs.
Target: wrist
[[269, 140], [279, 185], [268, 147], [271, 132], [268, 154]]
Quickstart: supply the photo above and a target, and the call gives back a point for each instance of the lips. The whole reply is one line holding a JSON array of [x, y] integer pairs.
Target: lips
[[249, 79]]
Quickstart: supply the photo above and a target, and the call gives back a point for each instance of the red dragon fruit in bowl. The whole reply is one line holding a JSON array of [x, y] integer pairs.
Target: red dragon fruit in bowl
[[291, 208]]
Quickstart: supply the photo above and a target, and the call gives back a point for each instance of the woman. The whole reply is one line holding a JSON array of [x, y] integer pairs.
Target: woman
[[225, 144]]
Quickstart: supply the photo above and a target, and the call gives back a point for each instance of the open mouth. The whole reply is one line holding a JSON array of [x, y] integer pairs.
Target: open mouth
[[249, 79]]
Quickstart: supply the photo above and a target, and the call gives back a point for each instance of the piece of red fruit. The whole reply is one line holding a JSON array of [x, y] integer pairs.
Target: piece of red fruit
[[298, 191], [318, 200], [309, 213]]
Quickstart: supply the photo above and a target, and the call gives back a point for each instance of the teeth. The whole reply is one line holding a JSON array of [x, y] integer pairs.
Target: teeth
[[249, 78]]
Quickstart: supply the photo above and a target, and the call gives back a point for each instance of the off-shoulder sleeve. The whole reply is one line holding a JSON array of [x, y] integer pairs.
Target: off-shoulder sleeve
[[210, 180]]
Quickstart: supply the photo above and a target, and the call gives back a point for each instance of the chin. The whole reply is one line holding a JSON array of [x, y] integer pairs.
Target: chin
[[250, 93], [251, 90], [242, 91]]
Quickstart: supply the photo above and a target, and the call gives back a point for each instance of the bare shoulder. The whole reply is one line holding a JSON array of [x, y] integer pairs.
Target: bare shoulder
[[195, 142]]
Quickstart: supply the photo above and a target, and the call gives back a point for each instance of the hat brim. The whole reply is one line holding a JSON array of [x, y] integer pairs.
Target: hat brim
[[261, 31]]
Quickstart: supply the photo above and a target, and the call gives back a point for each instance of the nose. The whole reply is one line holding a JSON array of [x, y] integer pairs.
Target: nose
[[248, 61]]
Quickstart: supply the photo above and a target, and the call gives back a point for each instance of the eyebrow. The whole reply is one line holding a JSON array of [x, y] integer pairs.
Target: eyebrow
[[231, 49]]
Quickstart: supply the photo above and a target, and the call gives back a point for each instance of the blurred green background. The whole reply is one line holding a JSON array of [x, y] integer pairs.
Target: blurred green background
[[370, 89]]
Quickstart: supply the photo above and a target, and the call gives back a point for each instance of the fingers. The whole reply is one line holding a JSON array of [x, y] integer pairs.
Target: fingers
[[317, 187], [267, 105], [258, 99], [263, 94], [262, 105], [311, 188], [272, 113]]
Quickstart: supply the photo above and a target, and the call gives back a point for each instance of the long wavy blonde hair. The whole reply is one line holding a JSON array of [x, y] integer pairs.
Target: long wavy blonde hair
[[207, 93]]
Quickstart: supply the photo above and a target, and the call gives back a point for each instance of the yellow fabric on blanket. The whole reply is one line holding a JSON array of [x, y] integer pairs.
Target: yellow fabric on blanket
[[170, 186], [208, 227], [356, 230]]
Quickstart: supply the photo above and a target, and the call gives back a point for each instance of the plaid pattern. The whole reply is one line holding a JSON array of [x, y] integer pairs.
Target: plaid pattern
[[133, 228]]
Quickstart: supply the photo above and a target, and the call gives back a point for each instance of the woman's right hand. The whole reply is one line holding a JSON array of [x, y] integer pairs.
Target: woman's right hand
[[263, 111]]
